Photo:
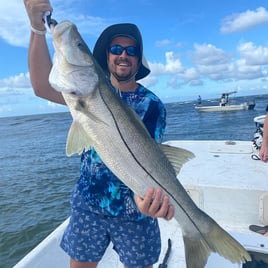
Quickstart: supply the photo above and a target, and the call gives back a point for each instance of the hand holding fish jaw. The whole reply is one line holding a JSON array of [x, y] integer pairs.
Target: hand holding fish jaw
[[155, 205], [36, 10]]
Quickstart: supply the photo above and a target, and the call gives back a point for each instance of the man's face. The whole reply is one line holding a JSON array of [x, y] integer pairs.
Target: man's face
[[122, 66]]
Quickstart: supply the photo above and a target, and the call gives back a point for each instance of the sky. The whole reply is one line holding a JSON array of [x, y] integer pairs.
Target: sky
[[193, 47]]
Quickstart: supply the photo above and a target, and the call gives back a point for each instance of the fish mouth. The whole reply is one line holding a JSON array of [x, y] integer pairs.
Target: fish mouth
[[58, 29], [51, 22]]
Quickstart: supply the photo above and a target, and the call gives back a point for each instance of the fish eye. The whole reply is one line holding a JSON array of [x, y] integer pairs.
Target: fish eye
[[83, 47]]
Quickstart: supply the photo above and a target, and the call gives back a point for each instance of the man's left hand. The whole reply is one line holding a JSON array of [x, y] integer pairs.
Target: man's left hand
[[155, 205]]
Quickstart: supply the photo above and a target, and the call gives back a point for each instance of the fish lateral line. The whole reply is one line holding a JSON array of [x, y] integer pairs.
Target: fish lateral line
[[144, 169]]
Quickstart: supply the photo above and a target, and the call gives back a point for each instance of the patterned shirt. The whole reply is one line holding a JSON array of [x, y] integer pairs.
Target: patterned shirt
[[98, 189]]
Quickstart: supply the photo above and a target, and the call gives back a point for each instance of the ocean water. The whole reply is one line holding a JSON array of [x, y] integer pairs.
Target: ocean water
[[36, 178]]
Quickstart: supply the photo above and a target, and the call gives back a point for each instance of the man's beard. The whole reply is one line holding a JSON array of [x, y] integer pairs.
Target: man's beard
[[122, 78]]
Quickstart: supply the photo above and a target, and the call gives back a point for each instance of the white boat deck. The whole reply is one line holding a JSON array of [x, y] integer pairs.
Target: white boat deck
[[223, 180]]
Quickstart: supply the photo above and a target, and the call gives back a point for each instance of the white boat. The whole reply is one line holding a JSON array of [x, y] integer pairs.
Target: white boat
[[225, 105], [226, 108], [224, 180], [259, 120]]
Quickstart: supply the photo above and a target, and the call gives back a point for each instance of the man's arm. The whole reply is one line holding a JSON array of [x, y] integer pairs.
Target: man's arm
[[39, 60]]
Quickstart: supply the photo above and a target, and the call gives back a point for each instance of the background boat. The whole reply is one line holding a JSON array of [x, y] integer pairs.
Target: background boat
[[225, 104]]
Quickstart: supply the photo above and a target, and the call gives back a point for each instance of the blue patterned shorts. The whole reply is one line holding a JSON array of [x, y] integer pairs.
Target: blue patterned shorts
[[87, 236]]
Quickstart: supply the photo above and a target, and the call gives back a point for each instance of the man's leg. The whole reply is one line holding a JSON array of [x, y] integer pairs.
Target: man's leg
[[76, 264]]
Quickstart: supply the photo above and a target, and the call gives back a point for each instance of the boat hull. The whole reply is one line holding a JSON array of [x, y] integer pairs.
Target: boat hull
[[223, 180], [226, 108]]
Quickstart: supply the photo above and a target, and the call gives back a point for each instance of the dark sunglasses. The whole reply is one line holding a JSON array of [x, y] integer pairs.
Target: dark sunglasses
[[118, 50]]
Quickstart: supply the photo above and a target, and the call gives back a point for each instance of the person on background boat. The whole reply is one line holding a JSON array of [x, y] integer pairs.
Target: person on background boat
[[103, 208], [199, 100], [223, 100]]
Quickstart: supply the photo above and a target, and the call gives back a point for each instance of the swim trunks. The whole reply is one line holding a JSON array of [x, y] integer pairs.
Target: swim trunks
[[87, 236]]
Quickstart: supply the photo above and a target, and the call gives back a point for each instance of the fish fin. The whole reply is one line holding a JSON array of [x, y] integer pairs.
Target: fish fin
[[217, 240], [177, 156], [196, 252], [77, 140]]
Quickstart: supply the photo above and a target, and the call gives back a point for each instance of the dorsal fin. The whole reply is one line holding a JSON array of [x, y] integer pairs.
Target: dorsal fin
[[177, 156]]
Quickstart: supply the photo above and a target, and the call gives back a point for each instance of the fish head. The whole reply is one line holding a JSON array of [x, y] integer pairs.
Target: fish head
[[74, 67]]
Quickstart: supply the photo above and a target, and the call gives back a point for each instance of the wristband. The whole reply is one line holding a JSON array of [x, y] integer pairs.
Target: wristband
[[37, 31]]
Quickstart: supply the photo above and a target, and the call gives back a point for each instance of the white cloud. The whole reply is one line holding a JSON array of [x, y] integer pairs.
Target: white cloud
[[252, 54], [216, 71], [15, 25], [246, 20], [162, 43], [173, 65], [207, 54], [213, 63], [18, 81], [149, 81], [7, 91], [245, 71], [190, 74]]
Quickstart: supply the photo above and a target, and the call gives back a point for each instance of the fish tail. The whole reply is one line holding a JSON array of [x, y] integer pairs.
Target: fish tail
[[217, 240]]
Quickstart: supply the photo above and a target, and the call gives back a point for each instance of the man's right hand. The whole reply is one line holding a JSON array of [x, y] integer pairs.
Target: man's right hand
[[36, 10]]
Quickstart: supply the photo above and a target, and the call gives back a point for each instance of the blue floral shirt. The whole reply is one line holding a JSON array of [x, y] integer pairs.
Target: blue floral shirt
[[98, 189]]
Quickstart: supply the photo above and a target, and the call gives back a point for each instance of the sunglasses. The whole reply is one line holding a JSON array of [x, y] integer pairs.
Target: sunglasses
[[118, 50]]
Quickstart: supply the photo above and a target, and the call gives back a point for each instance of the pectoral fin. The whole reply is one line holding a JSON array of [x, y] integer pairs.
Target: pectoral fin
[[177, 156], [77, 140]]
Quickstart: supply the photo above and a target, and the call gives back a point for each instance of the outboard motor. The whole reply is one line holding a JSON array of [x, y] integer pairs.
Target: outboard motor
[[258, 134]]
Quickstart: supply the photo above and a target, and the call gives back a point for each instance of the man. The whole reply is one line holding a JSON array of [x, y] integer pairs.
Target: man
[[103, 208]]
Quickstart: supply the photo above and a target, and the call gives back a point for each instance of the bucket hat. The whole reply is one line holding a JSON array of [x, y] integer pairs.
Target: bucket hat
[[121, 29]]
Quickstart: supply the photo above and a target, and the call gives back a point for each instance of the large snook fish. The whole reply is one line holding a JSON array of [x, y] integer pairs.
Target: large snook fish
[[102, 120]]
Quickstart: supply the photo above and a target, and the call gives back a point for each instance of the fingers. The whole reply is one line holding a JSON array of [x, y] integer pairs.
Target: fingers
[[153, 202], [263, 154], [166, 209], [143, 204], [155, 205], [36, 10]]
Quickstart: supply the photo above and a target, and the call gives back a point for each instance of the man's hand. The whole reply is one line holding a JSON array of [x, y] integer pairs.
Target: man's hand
[[36, 10], [155, 205], [263, 154]]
